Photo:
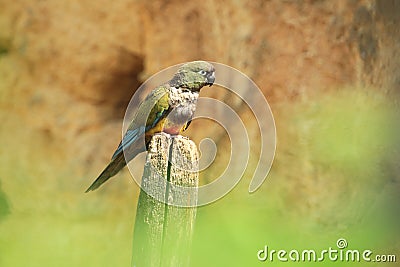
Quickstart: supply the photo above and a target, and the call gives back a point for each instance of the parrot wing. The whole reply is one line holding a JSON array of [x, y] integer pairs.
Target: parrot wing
[[129, 137], [152, 110]]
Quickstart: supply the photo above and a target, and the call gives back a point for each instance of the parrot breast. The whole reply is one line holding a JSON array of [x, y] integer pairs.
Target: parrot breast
[[183, 105]]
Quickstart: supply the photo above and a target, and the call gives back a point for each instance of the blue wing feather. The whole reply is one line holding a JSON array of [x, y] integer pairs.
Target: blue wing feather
[[130, 137]]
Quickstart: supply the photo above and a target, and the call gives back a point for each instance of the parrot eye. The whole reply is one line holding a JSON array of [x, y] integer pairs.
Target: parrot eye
[[202, 72]]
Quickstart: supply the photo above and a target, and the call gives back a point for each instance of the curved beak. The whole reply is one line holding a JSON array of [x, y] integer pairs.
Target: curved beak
[[211, 79]]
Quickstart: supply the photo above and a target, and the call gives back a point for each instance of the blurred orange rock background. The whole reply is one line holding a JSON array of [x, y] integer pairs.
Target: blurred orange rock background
[[68, 69]]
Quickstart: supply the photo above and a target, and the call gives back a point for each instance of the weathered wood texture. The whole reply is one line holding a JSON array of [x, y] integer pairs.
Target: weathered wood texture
[[162, 233]]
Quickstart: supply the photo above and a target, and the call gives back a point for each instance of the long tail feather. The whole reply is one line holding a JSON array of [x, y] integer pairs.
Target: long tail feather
[[112, 169]]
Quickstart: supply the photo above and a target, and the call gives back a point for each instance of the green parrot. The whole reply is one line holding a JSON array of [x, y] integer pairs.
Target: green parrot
[[168, 108]]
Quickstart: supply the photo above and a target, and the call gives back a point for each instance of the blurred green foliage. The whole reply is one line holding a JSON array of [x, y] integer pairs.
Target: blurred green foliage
[[334, 176], [4, 206], [4, 47]]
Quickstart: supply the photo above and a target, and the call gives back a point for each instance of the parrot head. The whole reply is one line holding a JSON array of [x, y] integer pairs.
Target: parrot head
[[194, 75]]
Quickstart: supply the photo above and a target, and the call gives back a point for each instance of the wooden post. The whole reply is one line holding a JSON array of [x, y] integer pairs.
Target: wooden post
[[162, 232]]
